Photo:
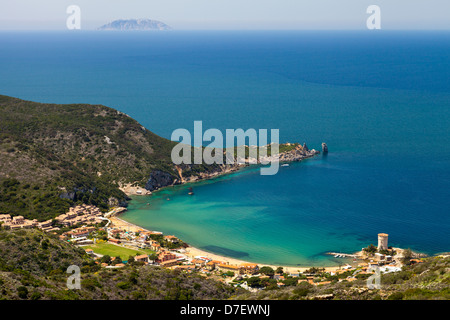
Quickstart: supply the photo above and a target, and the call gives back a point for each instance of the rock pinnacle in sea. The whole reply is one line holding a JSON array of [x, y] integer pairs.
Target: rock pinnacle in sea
[[324, 147]]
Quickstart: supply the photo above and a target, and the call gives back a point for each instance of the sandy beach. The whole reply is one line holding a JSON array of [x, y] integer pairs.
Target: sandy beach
[[119, 223], [192, 252], [131, 190]]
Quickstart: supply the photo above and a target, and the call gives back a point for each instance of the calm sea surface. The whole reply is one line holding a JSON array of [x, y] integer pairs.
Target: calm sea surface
[[381, 101]]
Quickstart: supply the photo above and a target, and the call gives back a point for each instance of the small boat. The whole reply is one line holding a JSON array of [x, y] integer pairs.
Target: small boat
[[191, 192], [285, 165], [168, 199]]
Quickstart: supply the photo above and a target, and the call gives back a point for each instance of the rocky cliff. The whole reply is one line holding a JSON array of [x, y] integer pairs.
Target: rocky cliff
[[190, 173], [159, 179]]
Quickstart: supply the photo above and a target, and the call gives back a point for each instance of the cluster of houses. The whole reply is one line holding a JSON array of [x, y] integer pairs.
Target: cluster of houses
[[142, 240], [17, 222], [79, 235], [83, 214], [176, 259], [89, 215], [206, 265]]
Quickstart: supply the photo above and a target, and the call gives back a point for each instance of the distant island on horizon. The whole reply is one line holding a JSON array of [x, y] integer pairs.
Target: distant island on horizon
[[135, 25]]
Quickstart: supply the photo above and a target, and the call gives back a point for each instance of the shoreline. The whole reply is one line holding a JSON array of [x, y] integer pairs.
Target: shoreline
[[193, 252], [131, 189]]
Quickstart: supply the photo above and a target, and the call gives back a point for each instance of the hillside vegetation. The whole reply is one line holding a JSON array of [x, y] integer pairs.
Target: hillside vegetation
[[52, 156], [428, 280], [33, 266]]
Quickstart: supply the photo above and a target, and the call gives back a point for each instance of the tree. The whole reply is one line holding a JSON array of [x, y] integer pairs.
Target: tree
[[22, 292], [117, 260], [228, 274], [270, 284], [279, 270], [268, 271], [407, 255], [153, 257], [370, 249], [290, 281], [105, 259], [314, 270], [254, 282]]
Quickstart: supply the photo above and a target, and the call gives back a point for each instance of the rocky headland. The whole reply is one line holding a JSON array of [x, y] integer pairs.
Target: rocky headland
[[159, 179], [54, 156]]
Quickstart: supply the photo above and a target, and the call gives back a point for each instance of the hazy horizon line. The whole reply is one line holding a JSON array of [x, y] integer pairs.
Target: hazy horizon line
[[224, 29]]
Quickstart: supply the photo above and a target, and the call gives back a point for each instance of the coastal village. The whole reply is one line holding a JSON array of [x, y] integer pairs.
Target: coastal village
[[87, 227], [84, 214]]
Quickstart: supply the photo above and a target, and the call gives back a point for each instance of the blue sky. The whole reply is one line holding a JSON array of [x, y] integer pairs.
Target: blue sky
[[229, 14]]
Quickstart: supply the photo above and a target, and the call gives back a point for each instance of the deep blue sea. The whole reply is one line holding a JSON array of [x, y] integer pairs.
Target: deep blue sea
[[380, 100]]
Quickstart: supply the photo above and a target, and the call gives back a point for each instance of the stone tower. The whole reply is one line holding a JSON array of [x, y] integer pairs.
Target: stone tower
[[382, 241]]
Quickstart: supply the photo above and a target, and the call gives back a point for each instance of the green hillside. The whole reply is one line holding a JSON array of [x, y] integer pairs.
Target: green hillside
[[33, 266], [52, 156], [427, 280]]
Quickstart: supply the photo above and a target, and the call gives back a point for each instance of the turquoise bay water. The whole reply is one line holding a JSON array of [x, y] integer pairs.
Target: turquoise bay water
[[381, 101]]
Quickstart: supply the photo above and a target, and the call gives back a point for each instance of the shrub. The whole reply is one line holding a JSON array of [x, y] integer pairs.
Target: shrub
[[90, 283], [396, 296], [35, 295], [302, 292], [22, 292], [123, 285]]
